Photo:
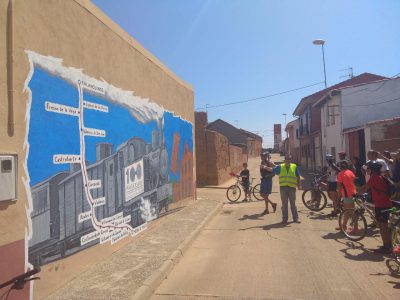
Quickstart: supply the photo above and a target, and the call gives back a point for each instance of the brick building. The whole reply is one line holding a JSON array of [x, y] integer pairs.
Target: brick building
[[319, 130], [216, 154]]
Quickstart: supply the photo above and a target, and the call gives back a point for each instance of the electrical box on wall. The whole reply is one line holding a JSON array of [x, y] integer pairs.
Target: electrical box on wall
[[8, 177]]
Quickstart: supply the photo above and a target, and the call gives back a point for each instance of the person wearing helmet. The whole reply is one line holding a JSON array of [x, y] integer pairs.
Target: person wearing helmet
[[343, 157], [379, 192], [373, 156], [332, 171]]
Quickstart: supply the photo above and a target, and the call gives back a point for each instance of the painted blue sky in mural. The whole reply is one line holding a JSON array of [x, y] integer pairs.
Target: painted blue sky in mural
[[51, 133]]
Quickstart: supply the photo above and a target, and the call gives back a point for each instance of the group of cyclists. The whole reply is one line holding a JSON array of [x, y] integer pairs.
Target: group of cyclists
[[379, 177]]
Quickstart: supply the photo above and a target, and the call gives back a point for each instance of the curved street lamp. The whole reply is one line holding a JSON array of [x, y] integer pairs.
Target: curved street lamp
[[321, 42]]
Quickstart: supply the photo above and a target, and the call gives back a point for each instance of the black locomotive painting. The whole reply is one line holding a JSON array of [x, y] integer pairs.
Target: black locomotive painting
[[59, 200]]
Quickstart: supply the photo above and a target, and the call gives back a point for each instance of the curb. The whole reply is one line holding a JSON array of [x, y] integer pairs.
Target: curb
[[150, 284]]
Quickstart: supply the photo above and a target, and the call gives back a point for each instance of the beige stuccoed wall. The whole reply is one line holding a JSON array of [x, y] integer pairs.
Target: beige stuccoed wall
[[80, 34]]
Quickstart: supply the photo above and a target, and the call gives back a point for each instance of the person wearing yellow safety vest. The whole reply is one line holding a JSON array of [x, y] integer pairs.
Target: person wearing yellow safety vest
[[289, 179]]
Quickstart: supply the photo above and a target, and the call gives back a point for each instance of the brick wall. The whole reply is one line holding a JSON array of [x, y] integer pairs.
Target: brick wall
[[200, 124], [218, 167], [385, 136], [215, 157]]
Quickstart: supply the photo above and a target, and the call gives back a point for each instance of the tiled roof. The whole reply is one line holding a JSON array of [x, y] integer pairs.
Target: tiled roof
[[360, 79], [233, 134]]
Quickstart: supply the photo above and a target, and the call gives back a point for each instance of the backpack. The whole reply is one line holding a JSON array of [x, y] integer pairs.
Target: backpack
[[391, 189]]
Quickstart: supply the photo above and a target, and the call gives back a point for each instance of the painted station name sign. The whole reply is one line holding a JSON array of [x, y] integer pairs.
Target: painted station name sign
[[95, 106], [66, 159], [84, 216], [94, 184], [99, 201], [94, 132], [61, 109], [90, 86]]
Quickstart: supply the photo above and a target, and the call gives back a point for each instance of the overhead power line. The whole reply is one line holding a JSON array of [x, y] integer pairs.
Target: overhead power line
[[259, 98], [370, 104]]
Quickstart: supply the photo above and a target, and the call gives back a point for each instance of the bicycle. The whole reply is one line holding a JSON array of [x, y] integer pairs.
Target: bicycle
[[358, 218], [234, 191], [394, 224], [18, 282], [314, 198]]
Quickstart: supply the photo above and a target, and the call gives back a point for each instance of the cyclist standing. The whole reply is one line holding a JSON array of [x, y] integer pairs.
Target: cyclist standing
[[381, 200], [347, 189], [266, 181], [332, 171], [245, 175]]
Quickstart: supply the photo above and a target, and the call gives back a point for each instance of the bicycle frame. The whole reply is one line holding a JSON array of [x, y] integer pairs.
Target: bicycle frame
[[364, 206]]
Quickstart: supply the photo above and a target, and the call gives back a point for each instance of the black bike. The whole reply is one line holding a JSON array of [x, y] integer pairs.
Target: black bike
[[314, 198]]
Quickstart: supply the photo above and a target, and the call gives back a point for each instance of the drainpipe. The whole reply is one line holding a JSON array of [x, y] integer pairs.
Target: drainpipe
[[10, 75]]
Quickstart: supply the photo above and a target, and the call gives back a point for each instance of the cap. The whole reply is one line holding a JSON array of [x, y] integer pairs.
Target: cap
[[374, 166]]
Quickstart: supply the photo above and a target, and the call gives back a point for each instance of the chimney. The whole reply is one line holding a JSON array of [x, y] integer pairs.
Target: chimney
[[104, 150]]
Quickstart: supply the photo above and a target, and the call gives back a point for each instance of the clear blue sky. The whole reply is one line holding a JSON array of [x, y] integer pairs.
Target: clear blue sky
[[231, 50]]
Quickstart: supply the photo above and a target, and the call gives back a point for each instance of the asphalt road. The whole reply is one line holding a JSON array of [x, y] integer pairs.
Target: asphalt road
[[242, 255]]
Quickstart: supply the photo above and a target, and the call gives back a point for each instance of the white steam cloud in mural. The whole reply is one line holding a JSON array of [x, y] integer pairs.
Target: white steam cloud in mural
[[142, 109], [147, 211]]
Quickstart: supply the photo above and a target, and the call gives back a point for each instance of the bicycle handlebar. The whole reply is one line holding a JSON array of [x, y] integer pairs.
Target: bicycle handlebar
[[20, 280]]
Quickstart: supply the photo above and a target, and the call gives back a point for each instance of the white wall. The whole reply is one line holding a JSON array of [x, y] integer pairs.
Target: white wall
[[332, 134], [296, 128], [354, 99]]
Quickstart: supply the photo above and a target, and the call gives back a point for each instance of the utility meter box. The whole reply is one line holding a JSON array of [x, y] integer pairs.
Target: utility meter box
[[8, 177]]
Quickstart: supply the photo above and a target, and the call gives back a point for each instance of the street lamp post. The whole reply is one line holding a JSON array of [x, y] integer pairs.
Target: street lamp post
[[322, 42]]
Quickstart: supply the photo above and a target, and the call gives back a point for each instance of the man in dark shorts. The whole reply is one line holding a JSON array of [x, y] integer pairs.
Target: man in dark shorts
[[266, 181], [332, 171], [245, 175], [379, 192]]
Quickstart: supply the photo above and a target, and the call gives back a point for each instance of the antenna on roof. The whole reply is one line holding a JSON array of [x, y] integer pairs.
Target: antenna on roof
[[350, 73]]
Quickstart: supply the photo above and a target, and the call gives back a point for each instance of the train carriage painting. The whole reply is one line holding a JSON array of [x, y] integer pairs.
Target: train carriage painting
[[131, 164]]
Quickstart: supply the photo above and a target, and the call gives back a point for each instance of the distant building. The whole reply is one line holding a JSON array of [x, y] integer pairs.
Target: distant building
[[354, 118], [292, 145], [312, 129], [277, 137], [238, 137]]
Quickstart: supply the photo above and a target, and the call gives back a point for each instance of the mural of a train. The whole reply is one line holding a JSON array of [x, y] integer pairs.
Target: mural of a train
[[58, 200]]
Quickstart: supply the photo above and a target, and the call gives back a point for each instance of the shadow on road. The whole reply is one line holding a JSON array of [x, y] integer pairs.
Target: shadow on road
[[268, 226], [396, 275], [251, 217], [354, 250]]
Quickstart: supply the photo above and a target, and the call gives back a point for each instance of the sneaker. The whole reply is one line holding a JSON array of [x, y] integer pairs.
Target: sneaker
[[265, 212], [244, 200], [396, 249], [284, 222], [274, 205], [383, 250], [297, 221], [353, 231], [333, 214]]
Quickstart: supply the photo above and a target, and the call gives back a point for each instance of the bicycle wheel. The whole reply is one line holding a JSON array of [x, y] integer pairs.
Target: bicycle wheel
[[353, 224], [233, 193], [314, 200], [396, 236], [257, 192]]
